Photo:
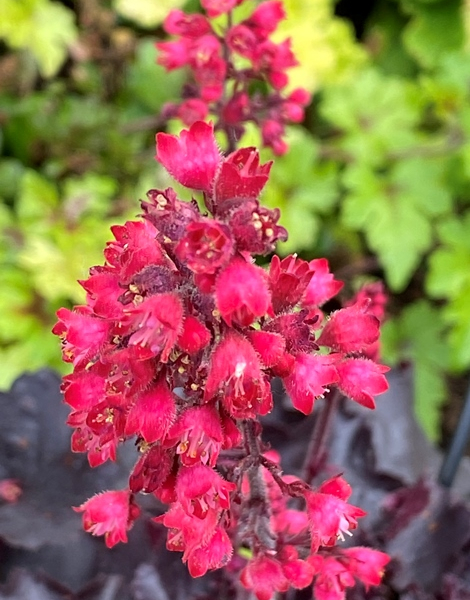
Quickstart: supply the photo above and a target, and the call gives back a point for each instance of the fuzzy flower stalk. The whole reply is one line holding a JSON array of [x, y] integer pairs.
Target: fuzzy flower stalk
[[176, 347]]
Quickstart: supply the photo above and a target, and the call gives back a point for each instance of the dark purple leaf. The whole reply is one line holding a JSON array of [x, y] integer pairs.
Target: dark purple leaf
[[426, 538]]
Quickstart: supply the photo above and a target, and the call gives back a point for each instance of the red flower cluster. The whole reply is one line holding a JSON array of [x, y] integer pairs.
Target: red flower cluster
[[224, 61], [177, 344]]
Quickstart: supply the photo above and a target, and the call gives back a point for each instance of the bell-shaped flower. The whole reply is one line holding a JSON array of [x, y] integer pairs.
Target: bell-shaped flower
[[216, 553], [255, 228], [198, 436], [82, 334], [236, 378], [323, 285], [361, 379], [366, 564], [310, 377], [111, 514], [134, 248], [241, 293], [270, 346], [288, 280], [332, 578], [264, 576], [151, 470], [350, 329], [153, 413], [156, 324], [330, 516], [192, 158], [240, 177], [298, 572], [200, 490], [178, 22]]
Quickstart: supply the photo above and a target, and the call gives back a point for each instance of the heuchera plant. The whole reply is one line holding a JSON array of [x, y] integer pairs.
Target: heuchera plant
[[182, 334]]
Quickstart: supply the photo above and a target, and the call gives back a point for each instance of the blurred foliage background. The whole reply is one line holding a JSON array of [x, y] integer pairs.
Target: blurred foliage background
[[377, 178]]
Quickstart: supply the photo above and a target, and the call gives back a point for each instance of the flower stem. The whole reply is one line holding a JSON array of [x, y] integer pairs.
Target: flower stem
[[258, 505], [317, 452]]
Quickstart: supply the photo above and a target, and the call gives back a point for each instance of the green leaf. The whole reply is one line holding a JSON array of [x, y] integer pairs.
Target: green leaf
[[400, 236], [37, 202], [450, 264], [394, 210], [147, 13], [379, 116], [417, 335], [24, 356], [304, 187], [323, 43], [149, 82], [436, 28], [449, 277], [44, 28], [17, 305], [89, 195]]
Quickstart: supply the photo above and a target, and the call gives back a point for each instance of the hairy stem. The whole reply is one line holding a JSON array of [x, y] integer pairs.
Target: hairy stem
[[258, 507]]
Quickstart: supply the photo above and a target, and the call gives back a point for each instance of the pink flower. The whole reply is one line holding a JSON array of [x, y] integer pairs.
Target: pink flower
[[240, 176], [157, 323], [151, 470], [192, 158], [272, 131], [366, 564], [190, 26], [82, 334], [242, 40], [103, 292], [332, 578], [360, 379], [200, 490], [192, 110], [194, 337], [311, 375], [198, 436], [323, 286], [206, 246], [111, 514], [187, 532], [288, 281], [216, 553], [264, 576], [83, 389], [298, 572], [134, 249], [270, 346], [350, 329], [242, 293], [266, 17], [235, 376], [296, 329], [256, 228], [174, 54], [153, 413], [214, 8], [329, 514]]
